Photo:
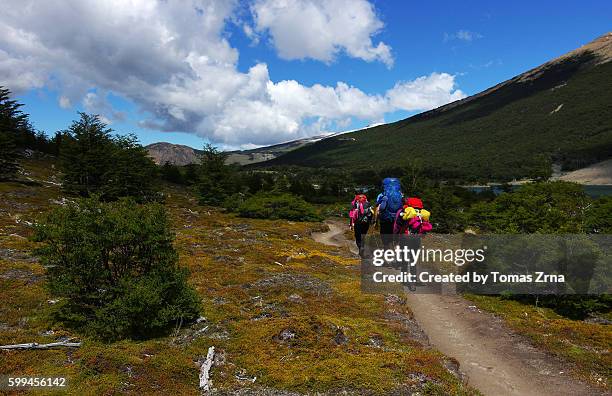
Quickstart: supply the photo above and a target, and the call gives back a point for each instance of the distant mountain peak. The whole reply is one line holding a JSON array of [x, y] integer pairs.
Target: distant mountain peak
[[176, 154]]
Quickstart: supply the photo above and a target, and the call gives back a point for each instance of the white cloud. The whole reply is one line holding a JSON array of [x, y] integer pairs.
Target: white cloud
[[463, 35], [320, 29], [98, 104], [175, 63], [425, 93]]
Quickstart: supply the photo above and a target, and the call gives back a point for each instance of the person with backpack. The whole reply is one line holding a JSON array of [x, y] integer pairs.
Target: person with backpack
[[412, 219], [360, 218], [388, 202], [411, 222]]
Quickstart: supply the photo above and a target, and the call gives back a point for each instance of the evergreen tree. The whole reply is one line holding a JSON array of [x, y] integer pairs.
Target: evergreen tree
[[171, 173], [95, 161], [13, 127], [86, 157], [217, 180], [132, 172], [8, 156]]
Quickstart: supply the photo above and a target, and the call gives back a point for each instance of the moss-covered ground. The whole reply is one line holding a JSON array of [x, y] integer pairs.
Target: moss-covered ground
[[283, 312]]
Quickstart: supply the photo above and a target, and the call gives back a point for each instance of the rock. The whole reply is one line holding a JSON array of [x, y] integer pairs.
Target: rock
[[263, 315], [598, 320], [376, 341], [452, 366], [394, 299], [295, 298], [286, 335], [340, 338]]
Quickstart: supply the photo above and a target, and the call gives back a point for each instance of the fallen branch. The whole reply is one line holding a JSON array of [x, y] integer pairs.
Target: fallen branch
[[35, 345], [205, 370]]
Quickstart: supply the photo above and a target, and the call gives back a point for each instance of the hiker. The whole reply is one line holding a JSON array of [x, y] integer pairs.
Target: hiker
[[360, 218], [411, 222], [412, 219], [388, 202]]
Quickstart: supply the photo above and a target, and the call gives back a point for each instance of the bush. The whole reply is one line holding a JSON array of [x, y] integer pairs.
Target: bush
[[550, 207], [283, 206], [114, 266], [599, 216]]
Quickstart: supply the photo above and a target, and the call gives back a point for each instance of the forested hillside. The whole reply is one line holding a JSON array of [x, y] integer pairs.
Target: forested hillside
[[560, 112]]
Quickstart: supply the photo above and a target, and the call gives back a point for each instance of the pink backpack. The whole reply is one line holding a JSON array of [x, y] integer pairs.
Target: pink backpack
[[357, 206], [419, 226]]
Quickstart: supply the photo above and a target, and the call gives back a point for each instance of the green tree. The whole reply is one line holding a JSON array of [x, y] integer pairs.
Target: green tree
[[8, 156], [14, 126], [114, 266], [171, 173], [132, 172], [448, 212], [86, 157], [217, 180], [93, 161]]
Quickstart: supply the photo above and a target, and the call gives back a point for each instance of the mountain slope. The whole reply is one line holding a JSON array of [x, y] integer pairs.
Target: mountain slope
[[176, 154], [558, 112], [179, 154]]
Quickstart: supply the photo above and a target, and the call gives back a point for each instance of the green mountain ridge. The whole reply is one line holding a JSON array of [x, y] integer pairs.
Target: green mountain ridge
[[558, 113]]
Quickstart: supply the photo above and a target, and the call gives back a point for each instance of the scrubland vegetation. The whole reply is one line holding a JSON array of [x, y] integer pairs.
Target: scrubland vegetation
[[282, 311], [150, 266]]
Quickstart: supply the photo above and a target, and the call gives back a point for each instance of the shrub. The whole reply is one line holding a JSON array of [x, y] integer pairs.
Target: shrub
[[599, 216], [115, 268], [550, 207], [283, 206]]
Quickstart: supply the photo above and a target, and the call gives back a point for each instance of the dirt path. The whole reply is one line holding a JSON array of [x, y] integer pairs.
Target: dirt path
[[335, 236], [495, 360]]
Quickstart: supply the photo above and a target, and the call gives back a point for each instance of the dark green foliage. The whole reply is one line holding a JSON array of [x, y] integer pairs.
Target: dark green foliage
[[510, 133], [114, 266], [172, 173], [132, 172], [281, 206], [93, 161], [16, 135], [448, 210], [8, 156], [14, 126], [216, 179], [553, 208], [599, 216], [550, 207], [577, 307]]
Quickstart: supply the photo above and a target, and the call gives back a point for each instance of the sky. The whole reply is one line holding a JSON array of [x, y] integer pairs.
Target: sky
[[242, 74]]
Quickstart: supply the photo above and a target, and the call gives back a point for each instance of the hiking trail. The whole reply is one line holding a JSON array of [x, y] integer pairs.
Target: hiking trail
[[495, 360]]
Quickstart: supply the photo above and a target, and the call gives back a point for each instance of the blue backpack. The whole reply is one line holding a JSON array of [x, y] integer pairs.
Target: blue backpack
[[391, 198]]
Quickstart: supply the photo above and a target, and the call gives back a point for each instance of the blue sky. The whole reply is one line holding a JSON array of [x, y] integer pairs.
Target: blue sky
[[263, 71]]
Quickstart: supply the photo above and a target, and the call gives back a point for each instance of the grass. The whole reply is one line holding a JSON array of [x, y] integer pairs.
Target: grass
[[584, 346], [259, 280]]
